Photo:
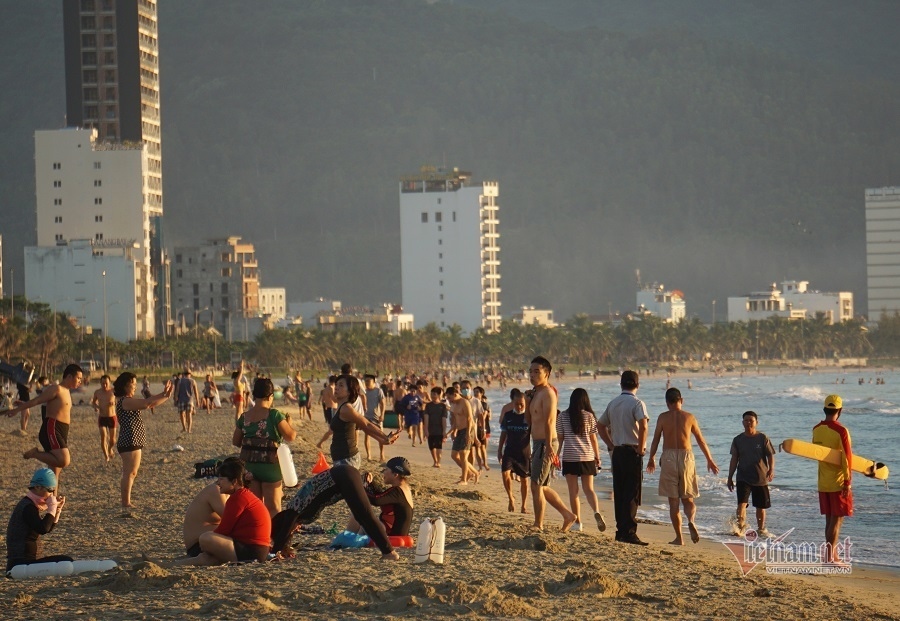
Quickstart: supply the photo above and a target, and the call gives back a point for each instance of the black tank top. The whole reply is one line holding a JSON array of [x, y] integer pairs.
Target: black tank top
[[343, 442]]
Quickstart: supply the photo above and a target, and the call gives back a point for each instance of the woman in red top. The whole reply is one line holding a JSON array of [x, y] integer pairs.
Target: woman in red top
[[245, 530]]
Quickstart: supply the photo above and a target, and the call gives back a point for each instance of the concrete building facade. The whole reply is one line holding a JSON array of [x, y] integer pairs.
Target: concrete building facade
[[793, 301], [272, 303], [656, 301], [86, 189], [77, 276], [218, 283], [449, 249], [883, 251], [529, 315]]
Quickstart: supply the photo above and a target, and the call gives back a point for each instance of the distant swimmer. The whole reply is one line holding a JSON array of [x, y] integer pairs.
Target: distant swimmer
[[753, 460], [835, 495], [678, 474]]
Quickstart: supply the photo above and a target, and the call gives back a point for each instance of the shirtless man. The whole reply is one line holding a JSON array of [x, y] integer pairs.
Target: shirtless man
[[329, 405], [104, 404], [54, 434], [202, 515], [540, 414], [462, 430], [678, 475]]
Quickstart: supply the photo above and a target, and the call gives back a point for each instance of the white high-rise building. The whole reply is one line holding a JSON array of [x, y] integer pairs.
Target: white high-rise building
[[883, 250], [449, 247], [86, 189], [272, 302]]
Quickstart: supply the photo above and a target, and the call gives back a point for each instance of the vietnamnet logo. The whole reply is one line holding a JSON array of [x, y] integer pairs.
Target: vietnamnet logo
[[789, 558]]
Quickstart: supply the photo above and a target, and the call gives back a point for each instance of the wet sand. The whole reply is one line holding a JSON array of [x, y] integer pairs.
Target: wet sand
[[495, 567]]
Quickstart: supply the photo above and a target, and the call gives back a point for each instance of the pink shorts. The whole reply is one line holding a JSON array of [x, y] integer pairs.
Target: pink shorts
[[833, 503]]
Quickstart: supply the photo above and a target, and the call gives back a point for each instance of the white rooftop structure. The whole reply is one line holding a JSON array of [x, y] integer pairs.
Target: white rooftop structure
[[793, 301]]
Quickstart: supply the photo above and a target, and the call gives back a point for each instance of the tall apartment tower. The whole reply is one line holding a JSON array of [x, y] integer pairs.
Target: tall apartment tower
[[883, 250], [112, 85], [449, 247]]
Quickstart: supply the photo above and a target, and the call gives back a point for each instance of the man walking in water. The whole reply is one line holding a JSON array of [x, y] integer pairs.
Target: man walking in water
[[54, 434], [623, 428], [540, 414], [678, 474], [753, 459], [104, 403], [835, 497]]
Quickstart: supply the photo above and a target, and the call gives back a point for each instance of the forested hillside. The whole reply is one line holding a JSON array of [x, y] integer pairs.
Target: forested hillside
[[713, 165]]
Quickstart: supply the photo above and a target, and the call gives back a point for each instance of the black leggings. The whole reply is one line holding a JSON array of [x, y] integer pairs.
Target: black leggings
[[326, 489]]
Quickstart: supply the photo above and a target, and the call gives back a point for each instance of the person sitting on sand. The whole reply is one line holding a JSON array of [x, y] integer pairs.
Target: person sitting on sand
[[323, 490], [396, 501], [23, 534], [245, 529], [203, 515], [678, 475]]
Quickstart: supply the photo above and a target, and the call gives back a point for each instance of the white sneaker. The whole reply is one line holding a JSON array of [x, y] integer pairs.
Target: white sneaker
[[576, 527]]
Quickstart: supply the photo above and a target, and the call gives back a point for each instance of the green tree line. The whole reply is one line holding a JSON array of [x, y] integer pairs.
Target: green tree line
[[49, 341]]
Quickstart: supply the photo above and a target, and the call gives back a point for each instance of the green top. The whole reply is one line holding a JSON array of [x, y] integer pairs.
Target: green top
[[267, 428]]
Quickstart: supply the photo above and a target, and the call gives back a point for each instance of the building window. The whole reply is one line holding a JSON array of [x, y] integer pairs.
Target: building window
[[98, 201], [440, 227], [224, 303], [96, 165], [56, 165], [59, 237], [442, 296], [98, 218], [88, 58], [440, 242], [226, 273], [179, 273], [424, 217], [177, 258], [57, 201], [440, 255], [98, 183], [98, 236], [88, 23], [87, 5], [224, 288], [442, 311], [439, 201], [437, 215], [57, 219], [109, 40], [57, 184], [441, 283], [454, 216], [109, 75], [108, 23], [196, 289], [90, 76], [441, 268], [109, 58]]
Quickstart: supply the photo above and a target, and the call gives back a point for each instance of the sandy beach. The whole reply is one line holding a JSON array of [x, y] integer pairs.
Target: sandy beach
[[494, 566]]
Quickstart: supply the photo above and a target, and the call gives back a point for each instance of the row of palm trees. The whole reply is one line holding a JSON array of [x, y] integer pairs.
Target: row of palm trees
[[51, 340]]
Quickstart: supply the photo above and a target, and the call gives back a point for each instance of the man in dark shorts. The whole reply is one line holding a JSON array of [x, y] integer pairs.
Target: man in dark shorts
[[753, 459], [462, 428], [104, 404], [835, 496], [436, 413], [186, 397], [54, 434], [513, 452]]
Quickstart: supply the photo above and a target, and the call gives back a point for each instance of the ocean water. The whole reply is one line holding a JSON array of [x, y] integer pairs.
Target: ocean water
[[788, 405]]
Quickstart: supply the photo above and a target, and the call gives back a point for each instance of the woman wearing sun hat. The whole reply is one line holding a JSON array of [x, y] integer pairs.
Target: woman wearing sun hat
[[26, 525]]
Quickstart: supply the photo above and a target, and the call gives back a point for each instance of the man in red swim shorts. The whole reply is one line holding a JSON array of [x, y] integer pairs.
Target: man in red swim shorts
[[835, 497]]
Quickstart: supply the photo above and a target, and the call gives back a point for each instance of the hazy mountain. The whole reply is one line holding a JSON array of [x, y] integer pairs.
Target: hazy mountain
[[715, 164]]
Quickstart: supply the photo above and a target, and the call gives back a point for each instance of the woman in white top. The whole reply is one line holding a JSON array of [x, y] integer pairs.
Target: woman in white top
[[576, 428]]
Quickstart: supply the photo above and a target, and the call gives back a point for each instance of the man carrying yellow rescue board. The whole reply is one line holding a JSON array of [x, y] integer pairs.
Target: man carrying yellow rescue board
[[835, 494]]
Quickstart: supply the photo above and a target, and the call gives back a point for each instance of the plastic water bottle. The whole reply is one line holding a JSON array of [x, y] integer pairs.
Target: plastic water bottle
[[41, 570], [430, 545], [79, 567], [288, 471]]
